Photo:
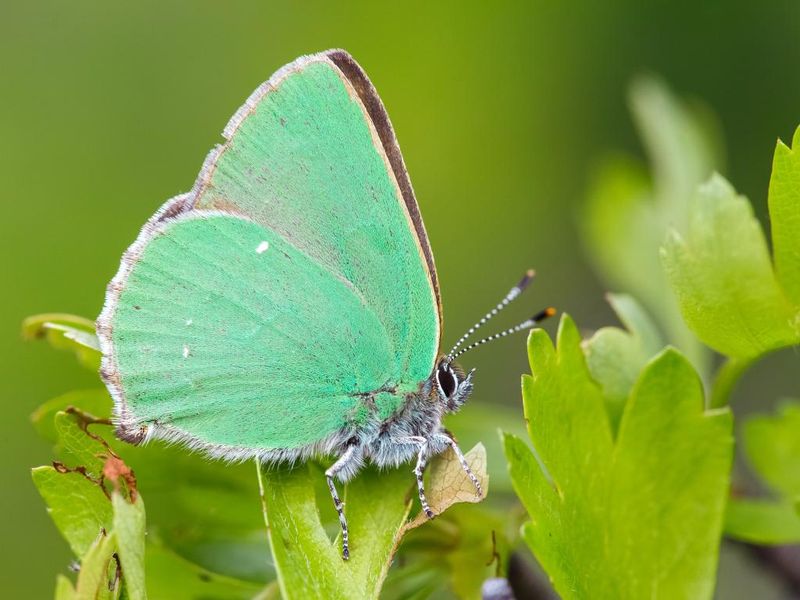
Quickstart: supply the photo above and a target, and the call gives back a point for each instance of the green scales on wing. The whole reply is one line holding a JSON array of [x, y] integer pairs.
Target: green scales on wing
[[262, 309]]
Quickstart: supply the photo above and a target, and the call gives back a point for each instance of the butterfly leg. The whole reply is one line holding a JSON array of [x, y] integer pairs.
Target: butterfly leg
[[345, 462], [447, 438], [419, 471]]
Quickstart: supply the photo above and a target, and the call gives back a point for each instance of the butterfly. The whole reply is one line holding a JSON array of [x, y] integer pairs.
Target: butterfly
[[288, 307]]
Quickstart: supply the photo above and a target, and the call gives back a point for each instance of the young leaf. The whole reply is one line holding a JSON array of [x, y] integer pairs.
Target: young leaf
[[129, 524], [64, 588], [722, 276], [308, 562], [67, 332], [77, 504], [600, 525], [784, 203], [458, 550], [94, 580], [759, 521], [615, 356], [772, 446], [627, 214], [96, 402], [170, 576], [203, 510], [76, 446]]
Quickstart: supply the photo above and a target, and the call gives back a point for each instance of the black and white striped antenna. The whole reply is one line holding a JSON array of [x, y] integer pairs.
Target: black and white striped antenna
[[526, 324], [512, 295]]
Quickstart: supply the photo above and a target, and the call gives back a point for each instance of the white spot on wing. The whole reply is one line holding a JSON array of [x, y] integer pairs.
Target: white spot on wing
[[262, 247], [188, 322], [185, 351]]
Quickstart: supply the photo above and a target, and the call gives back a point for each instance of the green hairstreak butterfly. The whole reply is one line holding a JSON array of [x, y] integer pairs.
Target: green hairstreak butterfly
[[287, 307]]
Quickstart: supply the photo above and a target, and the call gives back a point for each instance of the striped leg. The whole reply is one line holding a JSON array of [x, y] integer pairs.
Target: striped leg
[[419, 471], [446, 438], [330, 474]]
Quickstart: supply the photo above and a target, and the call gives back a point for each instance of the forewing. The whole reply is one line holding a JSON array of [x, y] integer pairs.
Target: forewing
[[221, 333], [312, 156]]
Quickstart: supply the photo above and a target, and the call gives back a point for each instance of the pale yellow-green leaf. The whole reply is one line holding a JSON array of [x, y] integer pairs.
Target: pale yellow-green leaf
[[78, 506], [129, 527], [77, 447], [721, 273], [629, 211], [638, 516], [784, 212], [448, 484], [93, 401], [64, 588], [67, 332], [97, 579], [615, 356], [762, 521]]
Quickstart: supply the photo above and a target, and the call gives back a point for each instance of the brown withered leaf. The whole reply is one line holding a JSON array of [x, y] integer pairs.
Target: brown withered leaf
[[116, 471], [448, 484]]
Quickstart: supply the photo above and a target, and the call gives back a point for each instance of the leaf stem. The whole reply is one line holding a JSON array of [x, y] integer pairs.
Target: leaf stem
[[725, 379]]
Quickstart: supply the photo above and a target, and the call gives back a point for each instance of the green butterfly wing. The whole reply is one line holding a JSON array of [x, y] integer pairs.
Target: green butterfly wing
[[260, 310]]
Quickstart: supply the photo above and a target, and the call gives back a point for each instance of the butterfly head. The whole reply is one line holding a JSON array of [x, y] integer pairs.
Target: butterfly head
[[452, 386], [449, 381]]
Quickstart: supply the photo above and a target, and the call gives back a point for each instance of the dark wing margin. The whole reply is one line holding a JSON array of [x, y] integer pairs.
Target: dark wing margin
[[380, 119]]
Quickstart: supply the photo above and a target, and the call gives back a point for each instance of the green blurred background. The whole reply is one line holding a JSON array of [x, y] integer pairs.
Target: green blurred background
[[108, 109]]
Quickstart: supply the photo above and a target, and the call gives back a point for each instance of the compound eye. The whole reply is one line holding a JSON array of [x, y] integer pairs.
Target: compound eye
[[446, 379]]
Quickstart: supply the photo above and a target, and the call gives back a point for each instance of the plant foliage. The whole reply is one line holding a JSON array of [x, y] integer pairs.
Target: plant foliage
[[623, 461], [633, 516]]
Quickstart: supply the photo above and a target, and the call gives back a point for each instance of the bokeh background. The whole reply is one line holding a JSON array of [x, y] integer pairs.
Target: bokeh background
[[502, 109]]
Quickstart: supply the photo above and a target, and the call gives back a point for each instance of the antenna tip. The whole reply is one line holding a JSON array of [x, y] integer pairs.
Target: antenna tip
[[523, 283], [544, 314]]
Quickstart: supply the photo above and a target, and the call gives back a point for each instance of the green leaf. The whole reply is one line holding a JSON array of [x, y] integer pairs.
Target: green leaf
[[95, 401], [722, 275], [170, 576], [95, 582], [458, 550], [627, 213], [64, 588], [636, 518], [77, 446], [66, 332], [772, 446], [472, 424], [129, 525], [765, 522], [481, 549], [210, 518], [461, 548], [77, 504], [420, 580], [309, 563], [682, 140], [784, 210], [616, 357]]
